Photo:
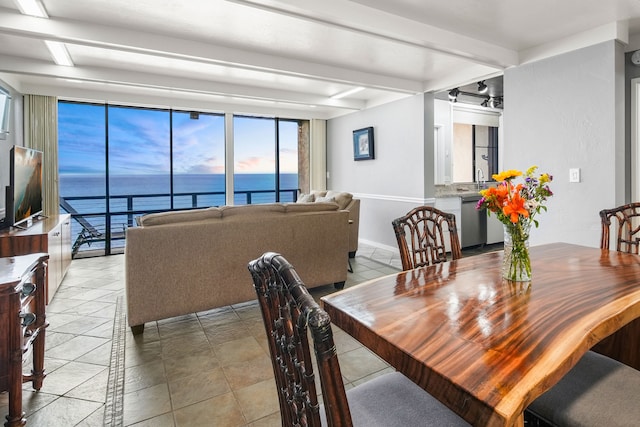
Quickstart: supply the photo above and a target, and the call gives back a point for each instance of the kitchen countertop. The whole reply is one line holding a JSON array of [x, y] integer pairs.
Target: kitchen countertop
[[457, 190]]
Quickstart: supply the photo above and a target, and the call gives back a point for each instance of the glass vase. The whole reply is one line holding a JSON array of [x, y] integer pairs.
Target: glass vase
[[516, 264]]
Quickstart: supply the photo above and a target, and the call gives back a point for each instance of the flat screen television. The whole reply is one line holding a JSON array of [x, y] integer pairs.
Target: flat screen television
[[24, 194]]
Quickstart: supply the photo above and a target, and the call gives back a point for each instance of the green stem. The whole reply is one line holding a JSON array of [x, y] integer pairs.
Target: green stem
[[519, 262]]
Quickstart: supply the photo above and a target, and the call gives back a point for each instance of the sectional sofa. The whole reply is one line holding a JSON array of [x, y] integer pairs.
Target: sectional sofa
[[345, 201], [182, 262]]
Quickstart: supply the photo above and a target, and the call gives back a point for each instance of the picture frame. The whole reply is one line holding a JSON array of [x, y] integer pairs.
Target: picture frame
[[363, 144]]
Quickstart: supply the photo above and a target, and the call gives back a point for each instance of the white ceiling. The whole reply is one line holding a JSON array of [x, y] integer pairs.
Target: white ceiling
[[287, 57]]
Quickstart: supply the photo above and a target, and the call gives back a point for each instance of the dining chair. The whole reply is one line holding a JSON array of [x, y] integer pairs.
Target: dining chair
[[420, 236], [598, 391], [289, 311], [627, 219]]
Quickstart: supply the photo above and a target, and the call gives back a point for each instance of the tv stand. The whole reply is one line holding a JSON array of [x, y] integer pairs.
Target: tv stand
[[51, 235], [23, 227]]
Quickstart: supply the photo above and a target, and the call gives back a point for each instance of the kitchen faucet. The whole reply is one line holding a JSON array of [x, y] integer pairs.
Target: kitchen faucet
[[480, 178]]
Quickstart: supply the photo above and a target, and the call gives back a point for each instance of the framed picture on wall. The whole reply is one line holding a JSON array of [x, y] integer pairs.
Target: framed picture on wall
[[363, 148]]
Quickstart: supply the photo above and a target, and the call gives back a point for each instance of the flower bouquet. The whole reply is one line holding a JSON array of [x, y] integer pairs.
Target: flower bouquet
[[516, 206]]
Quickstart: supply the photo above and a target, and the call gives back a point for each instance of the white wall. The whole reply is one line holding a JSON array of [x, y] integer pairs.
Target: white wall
[[568, 112], [560, 113], [15, 136], [397, 179]]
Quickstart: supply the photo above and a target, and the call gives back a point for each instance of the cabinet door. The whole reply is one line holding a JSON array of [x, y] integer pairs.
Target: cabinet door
[[54, 275], [495, 230], [451, 205], [66, 245]]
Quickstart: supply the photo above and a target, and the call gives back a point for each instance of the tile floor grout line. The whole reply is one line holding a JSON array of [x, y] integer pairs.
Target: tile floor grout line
[[114, 407]]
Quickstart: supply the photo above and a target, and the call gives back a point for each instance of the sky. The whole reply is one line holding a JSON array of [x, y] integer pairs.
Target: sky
[[139, 142]]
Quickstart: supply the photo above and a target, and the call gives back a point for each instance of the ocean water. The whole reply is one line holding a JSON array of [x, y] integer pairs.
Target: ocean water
[[152, 191]]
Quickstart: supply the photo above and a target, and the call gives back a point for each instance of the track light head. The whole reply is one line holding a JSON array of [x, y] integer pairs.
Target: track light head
[[482, 87], [453, 94], [495, 102]]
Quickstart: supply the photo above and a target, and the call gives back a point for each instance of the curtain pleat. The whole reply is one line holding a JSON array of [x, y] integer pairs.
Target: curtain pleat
[[318, 155], [41, 133]]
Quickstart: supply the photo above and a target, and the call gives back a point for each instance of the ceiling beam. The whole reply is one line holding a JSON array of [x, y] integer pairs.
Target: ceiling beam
[[117, 77], [125, 40], [373, 22]]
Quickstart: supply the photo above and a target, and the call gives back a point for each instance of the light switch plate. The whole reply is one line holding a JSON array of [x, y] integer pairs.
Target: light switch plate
[[574, 175]]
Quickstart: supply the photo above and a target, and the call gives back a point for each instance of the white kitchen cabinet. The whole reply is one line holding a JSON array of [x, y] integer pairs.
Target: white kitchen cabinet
[[451, 205]]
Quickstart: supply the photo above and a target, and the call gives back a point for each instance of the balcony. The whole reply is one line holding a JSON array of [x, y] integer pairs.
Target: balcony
[[99, 228]]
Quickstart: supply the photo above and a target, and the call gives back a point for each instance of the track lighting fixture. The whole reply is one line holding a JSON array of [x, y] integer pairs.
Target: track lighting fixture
[[495, 102], [487, 100], [453, 94], [482, 87]]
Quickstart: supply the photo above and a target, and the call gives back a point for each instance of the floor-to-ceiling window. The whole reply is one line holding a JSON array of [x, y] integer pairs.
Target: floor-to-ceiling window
[[83, 171], [288, 158], [120, 162], [198, 160], [265, 160], [139, 159]]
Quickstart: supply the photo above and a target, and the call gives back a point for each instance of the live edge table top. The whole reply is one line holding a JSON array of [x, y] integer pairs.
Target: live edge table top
[[486, 347]]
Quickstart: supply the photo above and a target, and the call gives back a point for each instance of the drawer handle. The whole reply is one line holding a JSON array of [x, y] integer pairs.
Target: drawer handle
[[27, 318], [28, 288]]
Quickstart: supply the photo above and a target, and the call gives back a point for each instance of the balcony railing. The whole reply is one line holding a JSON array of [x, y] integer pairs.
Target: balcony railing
[[101, 231]]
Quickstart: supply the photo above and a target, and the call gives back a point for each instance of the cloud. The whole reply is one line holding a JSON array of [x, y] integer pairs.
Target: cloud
[[255, 165]]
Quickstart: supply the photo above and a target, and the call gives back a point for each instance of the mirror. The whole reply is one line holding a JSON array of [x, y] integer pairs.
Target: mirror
[[475, 150], [467, 134], [466, 139]]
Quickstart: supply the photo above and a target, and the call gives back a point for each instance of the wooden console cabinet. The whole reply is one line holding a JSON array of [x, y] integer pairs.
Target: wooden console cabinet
[[51, 235], [23, 320]]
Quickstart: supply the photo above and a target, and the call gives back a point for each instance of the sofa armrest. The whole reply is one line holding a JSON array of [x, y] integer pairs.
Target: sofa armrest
[[354, 226]]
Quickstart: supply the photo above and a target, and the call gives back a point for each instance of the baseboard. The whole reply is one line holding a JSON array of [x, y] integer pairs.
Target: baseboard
[[378, 245]]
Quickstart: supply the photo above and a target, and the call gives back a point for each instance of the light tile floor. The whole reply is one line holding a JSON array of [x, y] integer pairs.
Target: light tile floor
[[204, 369]]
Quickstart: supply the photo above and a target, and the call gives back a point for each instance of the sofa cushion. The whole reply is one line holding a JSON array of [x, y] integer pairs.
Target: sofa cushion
[[341, 198], [258, 209], [310, 207], [318, 193], [306, 198], [172, 217]]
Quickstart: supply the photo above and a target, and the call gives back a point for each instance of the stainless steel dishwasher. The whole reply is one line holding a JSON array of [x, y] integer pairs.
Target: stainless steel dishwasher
[[474, 222]]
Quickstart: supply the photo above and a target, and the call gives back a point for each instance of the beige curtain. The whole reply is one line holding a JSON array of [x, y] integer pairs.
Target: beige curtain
[[41, 133], [318, 155]]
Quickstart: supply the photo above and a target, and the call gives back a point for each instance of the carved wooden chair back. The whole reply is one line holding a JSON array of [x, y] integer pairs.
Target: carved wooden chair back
[[287, 310], [627, 221], [420, 235]]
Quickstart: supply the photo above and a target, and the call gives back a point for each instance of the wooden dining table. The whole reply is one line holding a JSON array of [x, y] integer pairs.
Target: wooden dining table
[[487, 347]]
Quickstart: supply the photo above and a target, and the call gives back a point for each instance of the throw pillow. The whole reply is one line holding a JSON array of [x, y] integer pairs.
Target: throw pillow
[[306, 198], [325, 199], [341, 198]]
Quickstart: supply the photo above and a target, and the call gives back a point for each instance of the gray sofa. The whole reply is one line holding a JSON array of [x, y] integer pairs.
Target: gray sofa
[[183, 262]]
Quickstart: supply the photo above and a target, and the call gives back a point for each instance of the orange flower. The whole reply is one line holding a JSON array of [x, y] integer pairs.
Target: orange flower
[[514, 207]]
